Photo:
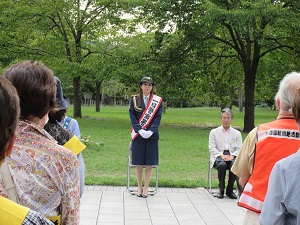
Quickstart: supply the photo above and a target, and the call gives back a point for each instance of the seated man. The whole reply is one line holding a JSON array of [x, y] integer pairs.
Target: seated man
[[224, 145]]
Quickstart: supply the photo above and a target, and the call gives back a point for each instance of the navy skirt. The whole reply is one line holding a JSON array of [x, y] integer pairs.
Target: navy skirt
[[144, 151]]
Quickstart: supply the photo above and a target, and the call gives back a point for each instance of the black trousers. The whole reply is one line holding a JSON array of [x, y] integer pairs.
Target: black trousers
[[222, 166]]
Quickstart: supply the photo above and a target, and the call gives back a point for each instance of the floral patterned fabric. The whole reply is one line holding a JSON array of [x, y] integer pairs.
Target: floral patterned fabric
[[45, 174]]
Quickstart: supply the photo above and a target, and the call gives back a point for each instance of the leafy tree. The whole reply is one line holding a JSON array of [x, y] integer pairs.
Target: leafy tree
[[64, 33], [272, 68], [245, 30]]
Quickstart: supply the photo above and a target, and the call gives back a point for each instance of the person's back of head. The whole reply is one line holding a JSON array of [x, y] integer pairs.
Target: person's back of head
[[56, 116], [9, 118], [36, 87], [287, 89], [296, 107], [9, 114]]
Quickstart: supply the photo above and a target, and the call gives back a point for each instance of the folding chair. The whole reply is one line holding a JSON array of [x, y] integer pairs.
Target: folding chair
[[151, 191], [209, 181]]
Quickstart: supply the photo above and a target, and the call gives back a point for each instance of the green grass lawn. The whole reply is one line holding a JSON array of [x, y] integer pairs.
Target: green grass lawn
[[183, 144]]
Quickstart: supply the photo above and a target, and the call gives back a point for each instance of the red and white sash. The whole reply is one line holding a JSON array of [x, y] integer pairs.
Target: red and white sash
[[148, 114]]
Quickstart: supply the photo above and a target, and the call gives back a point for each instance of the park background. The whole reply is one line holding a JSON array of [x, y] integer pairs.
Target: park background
[[183, 144], [203, 55]]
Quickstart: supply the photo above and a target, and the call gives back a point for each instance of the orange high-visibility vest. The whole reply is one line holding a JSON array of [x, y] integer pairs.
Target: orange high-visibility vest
[[275, 140]]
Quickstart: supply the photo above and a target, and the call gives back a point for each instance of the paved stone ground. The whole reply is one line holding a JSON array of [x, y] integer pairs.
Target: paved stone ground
[[107, 205]]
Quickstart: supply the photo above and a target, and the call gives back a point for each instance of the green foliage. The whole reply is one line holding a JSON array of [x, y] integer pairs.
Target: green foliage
[[198, 52], [224, 39], [64, 35]]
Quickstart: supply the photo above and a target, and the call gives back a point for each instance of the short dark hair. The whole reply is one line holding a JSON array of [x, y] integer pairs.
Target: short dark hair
[[57, 116], [36, 86], [9, 113]]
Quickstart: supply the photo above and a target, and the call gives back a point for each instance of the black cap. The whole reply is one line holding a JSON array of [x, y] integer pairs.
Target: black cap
[[147, 80]]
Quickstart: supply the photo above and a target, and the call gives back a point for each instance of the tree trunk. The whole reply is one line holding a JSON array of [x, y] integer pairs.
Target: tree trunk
[[241, 99], [249, 99], [98, 85], [250, 69], [77, 97]]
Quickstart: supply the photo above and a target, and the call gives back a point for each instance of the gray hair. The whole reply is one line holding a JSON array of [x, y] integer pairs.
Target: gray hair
[[287, 90], [226, 110]]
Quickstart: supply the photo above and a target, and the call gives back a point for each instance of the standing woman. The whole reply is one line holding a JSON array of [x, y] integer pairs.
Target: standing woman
[[145, 112]]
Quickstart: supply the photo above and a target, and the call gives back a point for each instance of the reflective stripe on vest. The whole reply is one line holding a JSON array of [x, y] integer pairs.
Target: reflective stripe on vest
[[275, 140], [250, 203], [11, 213]]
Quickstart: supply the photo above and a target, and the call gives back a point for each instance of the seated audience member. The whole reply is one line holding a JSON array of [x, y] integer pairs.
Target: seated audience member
[[45, 174], [62, 135], [281, 205], [11, 212], [224, 145]]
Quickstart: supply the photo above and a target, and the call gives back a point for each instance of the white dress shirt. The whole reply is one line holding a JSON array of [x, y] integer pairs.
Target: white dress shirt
[[146, 100]]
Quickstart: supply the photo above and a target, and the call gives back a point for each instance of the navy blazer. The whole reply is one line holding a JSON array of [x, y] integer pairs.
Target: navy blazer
[[135, 116]]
